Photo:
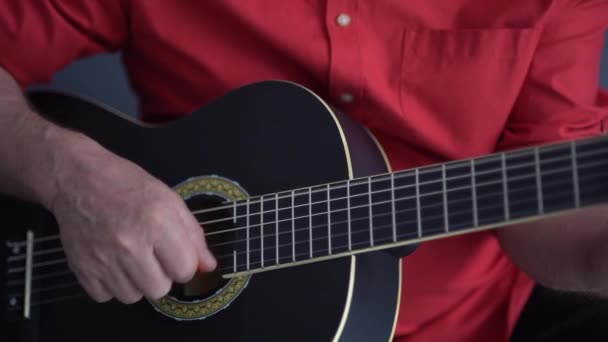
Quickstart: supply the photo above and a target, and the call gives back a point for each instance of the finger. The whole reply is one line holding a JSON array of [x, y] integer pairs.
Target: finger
[[147, 275], [121, 287], [95, 289], [177, 256], [206, 260]]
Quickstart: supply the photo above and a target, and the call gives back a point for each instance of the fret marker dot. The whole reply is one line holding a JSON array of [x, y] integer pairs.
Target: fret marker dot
[[12, 301]]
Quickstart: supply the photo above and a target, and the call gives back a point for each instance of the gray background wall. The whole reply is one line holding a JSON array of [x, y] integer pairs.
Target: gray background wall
[[103, 78]]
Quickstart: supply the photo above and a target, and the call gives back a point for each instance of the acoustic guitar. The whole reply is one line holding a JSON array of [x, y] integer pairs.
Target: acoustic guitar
[[301, 209]]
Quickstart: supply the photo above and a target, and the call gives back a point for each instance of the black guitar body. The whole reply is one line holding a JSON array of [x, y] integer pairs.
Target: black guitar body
[[268, 137]]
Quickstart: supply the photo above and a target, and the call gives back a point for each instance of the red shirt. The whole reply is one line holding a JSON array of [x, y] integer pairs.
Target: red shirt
[[435, 80]]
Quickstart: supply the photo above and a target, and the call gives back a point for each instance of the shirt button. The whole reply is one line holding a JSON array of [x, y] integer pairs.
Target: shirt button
[[347, 97], [343, 20]]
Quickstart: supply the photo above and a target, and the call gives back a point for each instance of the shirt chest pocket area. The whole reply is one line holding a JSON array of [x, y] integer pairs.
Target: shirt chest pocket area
[[463, 79]]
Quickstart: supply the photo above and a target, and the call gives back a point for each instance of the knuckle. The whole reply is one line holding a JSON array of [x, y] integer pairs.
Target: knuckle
[[126, 245], [156, 215], [100, 256]]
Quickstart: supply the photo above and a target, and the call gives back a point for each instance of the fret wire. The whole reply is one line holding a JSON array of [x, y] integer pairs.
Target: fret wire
[[310, 220], [539, 189], [446, 218], [474, 194], [234, 212], [262, 229], [348, 214], [505, 187], [418, 209], [577, 195], [329, 219], [369, 198], [293, 227], [276, 226], [393, 206], [234, 259], [247, 232]]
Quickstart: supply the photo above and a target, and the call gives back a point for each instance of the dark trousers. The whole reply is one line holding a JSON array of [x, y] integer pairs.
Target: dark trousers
[[550, 315]]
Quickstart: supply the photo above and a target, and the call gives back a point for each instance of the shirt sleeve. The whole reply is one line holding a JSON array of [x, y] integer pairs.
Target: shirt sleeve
[[39, 37], [561, 98]]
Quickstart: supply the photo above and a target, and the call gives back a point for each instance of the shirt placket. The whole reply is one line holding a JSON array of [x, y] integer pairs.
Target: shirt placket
[[342, 20]]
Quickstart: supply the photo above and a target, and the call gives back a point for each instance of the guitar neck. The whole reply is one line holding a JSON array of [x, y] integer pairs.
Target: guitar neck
[[406, 207]]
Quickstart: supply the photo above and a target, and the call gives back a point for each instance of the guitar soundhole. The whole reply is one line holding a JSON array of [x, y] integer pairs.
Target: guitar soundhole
[[210, 212]]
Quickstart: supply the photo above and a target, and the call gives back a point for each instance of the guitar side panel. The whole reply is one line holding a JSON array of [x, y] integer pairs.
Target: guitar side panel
[[377, 290]]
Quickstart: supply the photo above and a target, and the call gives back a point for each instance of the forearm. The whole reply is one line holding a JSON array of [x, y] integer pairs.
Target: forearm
[[29, 146], [567, 252]]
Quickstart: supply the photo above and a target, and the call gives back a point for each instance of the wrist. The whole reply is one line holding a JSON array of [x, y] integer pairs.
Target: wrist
[[52, 162]]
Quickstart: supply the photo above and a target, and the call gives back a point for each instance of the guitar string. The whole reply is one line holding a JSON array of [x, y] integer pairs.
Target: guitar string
[[316, 227], [299, 230], [414, 209], [62, 261], [380, 240], [50, 300], [236, 229], [201, 211], [80, 292], [428, 194], [401, 174], [434, 182], [49, 275]]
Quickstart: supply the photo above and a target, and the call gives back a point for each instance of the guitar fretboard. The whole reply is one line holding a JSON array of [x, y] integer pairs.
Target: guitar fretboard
[[383, 211]]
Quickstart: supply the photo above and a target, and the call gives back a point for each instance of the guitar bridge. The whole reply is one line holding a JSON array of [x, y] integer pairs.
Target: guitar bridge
[[14, 249]]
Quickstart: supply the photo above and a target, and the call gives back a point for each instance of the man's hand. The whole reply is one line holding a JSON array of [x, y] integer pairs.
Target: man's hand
[[125, 233], [566, 252]]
